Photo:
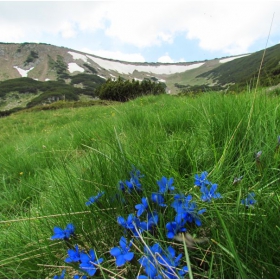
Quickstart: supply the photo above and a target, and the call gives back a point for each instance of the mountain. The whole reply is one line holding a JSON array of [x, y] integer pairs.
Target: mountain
[[50, 70]]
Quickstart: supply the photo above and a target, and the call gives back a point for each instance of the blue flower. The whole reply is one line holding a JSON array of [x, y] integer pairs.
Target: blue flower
[[201, 180], [93, 199], [149, 261], [160, 264], [74, 255], [121, 186], [89, 262], [122, 253], [61, 276], [186, 210], [175, 227], [249, 200], [208, 195], [170, 262], [79, 277], [60, 233], [132, 223], [133, 184], [142, 207], [158, 198], [165, 185], [152, 220]]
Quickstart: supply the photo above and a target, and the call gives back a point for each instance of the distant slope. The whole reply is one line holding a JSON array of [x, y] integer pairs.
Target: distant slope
[[45, 62], [53, 73], [243, 71]]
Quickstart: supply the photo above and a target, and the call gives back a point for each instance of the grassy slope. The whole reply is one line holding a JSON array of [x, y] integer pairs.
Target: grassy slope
[[52, 161], [245, 70]]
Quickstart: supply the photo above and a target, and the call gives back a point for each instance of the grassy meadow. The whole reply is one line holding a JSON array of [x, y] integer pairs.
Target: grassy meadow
[[52, 162]]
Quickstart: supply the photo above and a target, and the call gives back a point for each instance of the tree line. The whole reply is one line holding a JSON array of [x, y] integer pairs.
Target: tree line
[[124, 90]]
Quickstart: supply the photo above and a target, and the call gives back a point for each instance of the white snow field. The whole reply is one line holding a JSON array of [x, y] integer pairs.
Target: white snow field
[[23, 72], [130, 68], [78, 56], [73, 67], [231, 58]]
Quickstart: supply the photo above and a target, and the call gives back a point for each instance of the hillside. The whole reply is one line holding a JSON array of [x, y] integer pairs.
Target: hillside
[[53, 73]]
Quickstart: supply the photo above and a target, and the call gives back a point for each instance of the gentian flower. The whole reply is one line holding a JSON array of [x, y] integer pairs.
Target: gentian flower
[[175, 227], [249, 200], [186, 210], [208, 195], [93, 199], [122, 253], [74, 255], [89, 262], [61, 276], [60, 233], [132, 223], [158, 198], [201, 180], [142, 207], [159, 264], [121, 186], [171, 262], [152, 220], [149, 262], [79, 277], [165, 185]]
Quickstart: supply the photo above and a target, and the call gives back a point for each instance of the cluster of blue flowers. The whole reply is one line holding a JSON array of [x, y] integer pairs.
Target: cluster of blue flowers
[[156, 261]]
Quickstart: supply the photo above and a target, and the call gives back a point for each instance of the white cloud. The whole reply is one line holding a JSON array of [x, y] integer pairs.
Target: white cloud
[[117, 55], [167, 59], [227, 26], [67, 30]]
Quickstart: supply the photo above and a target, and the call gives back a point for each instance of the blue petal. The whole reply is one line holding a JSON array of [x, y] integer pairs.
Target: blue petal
[[120, 260], [129, 256], [116, 251]]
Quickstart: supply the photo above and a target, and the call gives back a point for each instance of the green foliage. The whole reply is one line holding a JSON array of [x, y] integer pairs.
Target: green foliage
[[59, 66], [62, 104], [53, 161], [190, 90], [21, 85], [92, 69], [31, 57], [50, 91], [90, 82], [124, 90], [53, 91]]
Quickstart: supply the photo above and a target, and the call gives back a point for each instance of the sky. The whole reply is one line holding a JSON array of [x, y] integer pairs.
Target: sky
[[145, 31]]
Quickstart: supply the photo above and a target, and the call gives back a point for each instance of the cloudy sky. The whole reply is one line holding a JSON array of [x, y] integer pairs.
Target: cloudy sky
[[151, 31]]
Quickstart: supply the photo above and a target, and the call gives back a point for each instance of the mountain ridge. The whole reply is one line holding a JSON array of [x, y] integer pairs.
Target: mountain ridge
[[75, 69]]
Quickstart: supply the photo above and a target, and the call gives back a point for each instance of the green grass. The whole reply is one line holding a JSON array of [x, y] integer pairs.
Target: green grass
[[51, 162]]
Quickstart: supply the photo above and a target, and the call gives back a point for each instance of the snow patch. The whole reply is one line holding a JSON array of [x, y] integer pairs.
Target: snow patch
[[231, 58], [78, 56], [101, 77], [23, 72], [47, 79], [72, 67], [130, 68]]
